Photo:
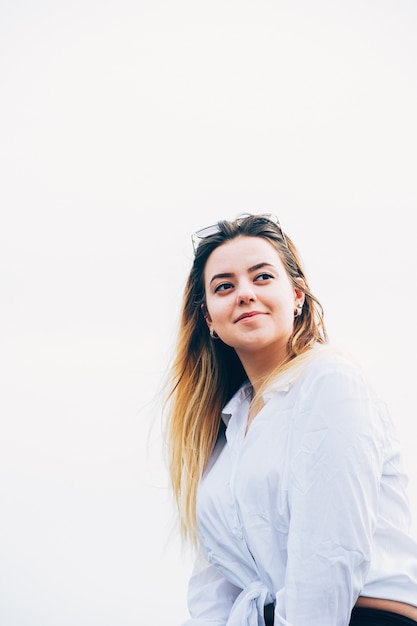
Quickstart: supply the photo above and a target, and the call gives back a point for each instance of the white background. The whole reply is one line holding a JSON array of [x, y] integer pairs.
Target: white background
[[126, 125]]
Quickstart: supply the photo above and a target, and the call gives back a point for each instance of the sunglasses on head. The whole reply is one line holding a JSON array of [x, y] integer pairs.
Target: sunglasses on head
[[212, 230]]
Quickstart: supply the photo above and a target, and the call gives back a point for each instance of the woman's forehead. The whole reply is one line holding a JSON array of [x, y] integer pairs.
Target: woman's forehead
[[242, 251]]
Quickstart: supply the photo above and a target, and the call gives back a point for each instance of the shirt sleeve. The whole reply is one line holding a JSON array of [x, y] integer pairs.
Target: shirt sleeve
[[333, 494], [210, 595]]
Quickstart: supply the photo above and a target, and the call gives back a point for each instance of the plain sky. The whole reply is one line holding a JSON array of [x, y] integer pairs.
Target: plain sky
[[125, 126]]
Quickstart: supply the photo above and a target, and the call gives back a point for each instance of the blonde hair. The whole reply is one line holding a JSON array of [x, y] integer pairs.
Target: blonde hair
[[206, 373]]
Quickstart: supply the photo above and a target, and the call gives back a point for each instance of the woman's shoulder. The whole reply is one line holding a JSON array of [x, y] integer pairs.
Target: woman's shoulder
[[331, 373], [318, 359], [326, 366], [321, 365], [328, 359]]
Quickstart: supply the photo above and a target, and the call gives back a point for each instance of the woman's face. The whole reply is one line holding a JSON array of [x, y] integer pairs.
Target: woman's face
[[250, 298]]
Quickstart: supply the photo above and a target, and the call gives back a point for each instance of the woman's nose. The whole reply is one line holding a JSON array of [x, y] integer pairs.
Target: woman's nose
[[245, 293]]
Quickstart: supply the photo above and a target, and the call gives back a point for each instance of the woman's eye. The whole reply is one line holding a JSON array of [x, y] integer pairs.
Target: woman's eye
[[264, 276], [223, 287]]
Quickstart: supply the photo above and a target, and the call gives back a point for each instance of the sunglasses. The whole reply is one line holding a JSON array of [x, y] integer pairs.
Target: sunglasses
[[212, 230]]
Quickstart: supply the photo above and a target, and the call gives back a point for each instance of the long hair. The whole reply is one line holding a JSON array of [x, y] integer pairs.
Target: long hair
[[206, 373]]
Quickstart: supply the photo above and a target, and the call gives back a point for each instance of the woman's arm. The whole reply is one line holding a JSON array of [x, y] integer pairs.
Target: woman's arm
[[333, 497], [210, 595]]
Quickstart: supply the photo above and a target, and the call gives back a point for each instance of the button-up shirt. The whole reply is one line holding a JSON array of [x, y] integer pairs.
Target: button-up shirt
[[307, 509]]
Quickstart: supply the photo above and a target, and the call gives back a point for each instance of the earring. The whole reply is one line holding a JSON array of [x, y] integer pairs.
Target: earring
[[213, 334], [298, 311]]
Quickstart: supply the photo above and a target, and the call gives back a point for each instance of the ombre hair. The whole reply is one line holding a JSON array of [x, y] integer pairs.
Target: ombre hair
[[206, 373]]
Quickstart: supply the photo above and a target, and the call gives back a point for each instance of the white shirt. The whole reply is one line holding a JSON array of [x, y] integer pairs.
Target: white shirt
[[308, 509]]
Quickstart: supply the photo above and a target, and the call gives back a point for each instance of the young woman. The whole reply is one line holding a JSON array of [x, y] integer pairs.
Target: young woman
[[284, 465]]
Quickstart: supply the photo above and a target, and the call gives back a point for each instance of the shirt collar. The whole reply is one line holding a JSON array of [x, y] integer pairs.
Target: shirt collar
[[282, 383], [244, 394]]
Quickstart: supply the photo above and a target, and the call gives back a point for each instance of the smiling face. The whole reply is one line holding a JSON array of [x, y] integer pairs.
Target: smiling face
[[251, 300]]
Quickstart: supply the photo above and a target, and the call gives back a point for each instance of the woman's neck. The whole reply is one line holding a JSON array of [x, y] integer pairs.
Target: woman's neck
[[258, 368]]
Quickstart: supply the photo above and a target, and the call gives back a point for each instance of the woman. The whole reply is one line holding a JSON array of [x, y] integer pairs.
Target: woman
[[284, 465]]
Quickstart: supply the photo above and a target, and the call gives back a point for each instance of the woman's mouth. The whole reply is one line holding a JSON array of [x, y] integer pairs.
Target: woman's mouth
[[248, 315]]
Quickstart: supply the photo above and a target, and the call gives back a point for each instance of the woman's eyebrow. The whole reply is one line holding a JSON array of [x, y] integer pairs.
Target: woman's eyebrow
[[254, 268], [225, 275], [258, 266]]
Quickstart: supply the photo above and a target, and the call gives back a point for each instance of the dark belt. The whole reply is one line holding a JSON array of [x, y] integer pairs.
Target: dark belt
[[360, 617]]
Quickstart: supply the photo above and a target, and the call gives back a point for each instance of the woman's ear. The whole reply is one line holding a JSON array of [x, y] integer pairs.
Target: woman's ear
[[206, 314], [299, 293]]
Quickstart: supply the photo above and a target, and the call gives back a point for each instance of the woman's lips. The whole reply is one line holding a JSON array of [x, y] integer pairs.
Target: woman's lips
[[248, 315]]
